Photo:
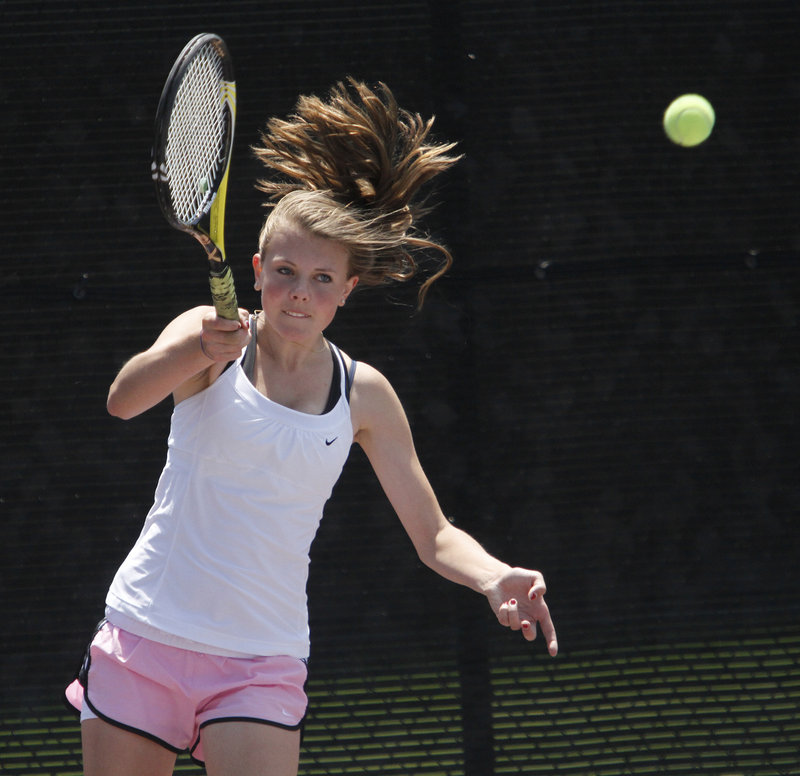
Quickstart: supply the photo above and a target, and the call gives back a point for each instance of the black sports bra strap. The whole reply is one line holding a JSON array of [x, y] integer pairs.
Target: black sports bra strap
[[348, 374], [335, 390], [348, 383], [249, 360]]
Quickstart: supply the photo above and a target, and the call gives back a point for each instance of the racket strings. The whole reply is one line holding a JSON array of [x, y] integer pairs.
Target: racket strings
[[196, 137]]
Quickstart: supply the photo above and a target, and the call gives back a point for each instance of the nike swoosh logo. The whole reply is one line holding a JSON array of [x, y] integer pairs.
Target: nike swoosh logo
[[329, 443]]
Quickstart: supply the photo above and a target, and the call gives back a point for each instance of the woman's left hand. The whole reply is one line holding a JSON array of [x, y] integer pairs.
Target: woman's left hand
[[517, 599]]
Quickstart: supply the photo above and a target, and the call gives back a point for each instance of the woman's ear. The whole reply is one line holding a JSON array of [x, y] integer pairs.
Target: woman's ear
[[257, 271], [352, 282]]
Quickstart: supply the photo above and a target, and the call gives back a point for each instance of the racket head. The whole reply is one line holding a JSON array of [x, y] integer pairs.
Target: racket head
[[194, 129]]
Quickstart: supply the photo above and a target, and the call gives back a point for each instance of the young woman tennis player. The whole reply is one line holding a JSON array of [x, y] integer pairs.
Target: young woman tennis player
[[206, 631]]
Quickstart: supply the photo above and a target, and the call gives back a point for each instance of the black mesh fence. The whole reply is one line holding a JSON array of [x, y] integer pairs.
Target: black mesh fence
[[720, 706], [604, 387]]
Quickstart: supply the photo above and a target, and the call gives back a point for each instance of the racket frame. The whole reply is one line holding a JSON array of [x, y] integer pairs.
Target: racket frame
[[208, 227]]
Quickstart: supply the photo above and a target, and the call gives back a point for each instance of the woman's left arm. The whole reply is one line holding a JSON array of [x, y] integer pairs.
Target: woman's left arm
[[516, 595]]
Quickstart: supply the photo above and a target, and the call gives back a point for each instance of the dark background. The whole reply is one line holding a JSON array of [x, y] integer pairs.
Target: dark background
[[603, 388]]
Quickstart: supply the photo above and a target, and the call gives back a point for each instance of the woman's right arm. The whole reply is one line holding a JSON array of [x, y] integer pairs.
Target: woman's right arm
[[176, 363]]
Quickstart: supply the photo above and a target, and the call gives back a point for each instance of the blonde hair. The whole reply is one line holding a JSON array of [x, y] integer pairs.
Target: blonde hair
[[350, 170]]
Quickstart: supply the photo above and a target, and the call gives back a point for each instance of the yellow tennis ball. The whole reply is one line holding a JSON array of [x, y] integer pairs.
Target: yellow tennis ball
[[688, 120]]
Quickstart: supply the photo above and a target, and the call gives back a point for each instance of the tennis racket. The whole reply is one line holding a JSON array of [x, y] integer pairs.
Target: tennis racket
[[192, 152]]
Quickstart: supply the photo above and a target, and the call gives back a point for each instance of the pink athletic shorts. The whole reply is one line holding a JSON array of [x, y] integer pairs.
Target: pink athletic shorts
[[168, 694]]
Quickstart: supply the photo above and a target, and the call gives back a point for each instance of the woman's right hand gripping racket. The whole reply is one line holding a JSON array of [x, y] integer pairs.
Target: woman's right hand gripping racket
[[192, 151]]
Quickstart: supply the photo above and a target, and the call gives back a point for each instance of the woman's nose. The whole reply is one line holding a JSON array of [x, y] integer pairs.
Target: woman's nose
[[300, 290]]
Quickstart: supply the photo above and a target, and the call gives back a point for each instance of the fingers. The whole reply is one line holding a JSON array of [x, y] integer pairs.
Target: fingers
[[528, 613], [212, 320], [538, 587], [548, 630], [222, 339], [509, 615], [529, 630]]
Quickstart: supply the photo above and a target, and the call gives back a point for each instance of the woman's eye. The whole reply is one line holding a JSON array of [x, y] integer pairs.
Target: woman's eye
[[284, 271], [323, 278]]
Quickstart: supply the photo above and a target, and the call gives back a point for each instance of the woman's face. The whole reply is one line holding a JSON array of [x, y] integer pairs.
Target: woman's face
[[303, 280]]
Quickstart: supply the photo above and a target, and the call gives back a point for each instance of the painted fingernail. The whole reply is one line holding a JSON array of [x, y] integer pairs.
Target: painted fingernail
[[512, 602], [526, 626]]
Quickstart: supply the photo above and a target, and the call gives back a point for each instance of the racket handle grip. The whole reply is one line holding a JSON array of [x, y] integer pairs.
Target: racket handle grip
[[223, 291]]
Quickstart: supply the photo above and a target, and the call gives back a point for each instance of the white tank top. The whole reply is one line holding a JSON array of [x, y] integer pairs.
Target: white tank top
[[222, 559]]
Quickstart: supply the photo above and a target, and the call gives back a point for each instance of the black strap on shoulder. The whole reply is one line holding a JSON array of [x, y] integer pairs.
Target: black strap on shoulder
[[348, 380], [249, 359], [335, 390], [338, 358]]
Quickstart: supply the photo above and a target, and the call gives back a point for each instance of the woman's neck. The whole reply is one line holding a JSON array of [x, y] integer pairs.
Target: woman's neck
[[291, 354]]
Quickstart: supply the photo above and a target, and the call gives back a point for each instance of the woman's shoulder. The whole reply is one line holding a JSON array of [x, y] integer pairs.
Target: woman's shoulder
[[371, 390], [365, 376], [373, 400]]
